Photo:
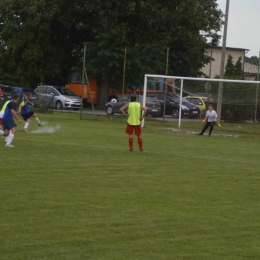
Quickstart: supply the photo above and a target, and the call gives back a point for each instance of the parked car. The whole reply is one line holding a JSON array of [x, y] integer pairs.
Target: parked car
[[21, 91], [7, 92], [208, 96], [198, 101], [173, 105], [152, 105], [59, 97]]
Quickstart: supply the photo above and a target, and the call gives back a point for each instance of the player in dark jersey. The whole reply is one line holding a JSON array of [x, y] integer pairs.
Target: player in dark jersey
[[26, 112], [9, 125]]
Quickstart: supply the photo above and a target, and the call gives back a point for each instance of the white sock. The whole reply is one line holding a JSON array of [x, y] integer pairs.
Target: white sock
[[10, 138], [1, 132], [7, 136], [26, 125], [37, 120]]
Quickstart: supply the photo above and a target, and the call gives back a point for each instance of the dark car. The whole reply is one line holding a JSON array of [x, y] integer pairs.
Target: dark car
[[152, 105], [172, 106], [7, 92], [21, 91]]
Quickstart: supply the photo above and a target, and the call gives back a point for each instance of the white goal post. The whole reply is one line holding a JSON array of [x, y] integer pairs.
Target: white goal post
[[251, 85]]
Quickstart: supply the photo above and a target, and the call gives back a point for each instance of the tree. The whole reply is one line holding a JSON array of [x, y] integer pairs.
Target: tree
[[37, 39], [41, 40], [234, 71], [253, 60], [229, 69], [147, 28], [238, 70]]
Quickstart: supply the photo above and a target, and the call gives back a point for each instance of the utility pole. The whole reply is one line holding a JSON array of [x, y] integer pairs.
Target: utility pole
[[165, 84], [256, 96], [210, 63], [220, 88]]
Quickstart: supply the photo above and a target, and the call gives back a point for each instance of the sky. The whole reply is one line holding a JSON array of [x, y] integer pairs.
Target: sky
[[243, 24]]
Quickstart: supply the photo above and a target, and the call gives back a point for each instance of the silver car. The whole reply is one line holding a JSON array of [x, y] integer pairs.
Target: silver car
[[59, 97]]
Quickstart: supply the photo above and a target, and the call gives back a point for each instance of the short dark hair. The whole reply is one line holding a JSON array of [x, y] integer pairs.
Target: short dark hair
[[28, 93], [15, 96], [133, 98]]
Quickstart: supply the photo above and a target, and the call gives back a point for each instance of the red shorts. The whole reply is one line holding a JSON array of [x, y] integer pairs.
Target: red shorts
[[1, 121], [130, 129]]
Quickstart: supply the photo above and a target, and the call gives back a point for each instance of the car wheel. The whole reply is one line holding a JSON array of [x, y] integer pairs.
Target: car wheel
[[154, 116], [175, 113], [59, 105], [109, 110]]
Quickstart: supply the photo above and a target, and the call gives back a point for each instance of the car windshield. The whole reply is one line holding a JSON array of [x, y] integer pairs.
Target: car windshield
[[6, 89], [151, 99], [28, 90], [177, 99], [66, 91], [184, 100]]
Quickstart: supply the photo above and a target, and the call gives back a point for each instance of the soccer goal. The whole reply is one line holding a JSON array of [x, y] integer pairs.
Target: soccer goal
[[236, 101]]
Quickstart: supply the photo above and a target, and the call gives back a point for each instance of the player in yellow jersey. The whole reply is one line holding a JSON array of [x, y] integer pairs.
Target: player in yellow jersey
[[134, 119], [1, 115]]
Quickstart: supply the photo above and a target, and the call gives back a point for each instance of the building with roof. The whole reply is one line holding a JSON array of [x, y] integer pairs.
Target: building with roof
[[213, 68], [250, 71]]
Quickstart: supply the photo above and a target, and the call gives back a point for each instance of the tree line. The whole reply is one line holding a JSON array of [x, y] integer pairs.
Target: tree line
[[41, 41]]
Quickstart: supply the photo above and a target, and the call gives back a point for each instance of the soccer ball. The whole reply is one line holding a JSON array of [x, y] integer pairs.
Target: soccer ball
[[113, 100]]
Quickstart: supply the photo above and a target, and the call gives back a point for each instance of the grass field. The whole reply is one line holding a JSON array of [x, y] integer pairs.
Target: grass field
[[78, 193]]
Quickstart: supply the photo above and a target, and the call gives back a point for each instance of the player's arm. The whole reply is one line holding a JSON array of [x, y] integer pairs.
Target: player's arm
[[19, 109], [32, 104], [144, 112], [16, 116], [218, 121], [22, 104], [205, 119], [123, 108]]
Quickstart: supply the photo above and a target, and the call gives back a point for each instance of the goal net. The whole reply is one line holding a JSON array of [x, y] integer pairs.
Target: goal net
[[236, 101]]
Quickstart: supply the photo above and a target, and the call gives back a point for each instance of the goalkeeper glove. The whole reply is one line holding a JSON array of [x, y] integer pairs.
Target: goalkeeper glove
[[219, 125], [203, 121]]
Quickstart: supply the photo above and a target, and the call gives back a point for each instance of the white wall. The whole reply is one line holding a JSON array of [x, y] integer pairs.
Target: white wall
[[216, 55]]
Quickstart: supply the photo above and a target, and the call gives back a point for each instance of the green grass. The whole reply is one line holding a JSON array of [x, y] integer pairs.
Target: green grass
[[79, 194]]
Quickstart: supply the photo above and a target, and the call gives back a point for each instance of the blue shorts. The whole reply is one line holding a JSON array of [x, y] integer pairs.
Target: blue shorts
[[8, 124], [28, 115]]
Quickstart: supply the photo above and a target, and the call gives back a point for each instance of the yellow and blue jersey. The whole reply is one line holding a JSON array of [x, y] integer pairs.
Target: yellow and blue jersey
[[25, 107]]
